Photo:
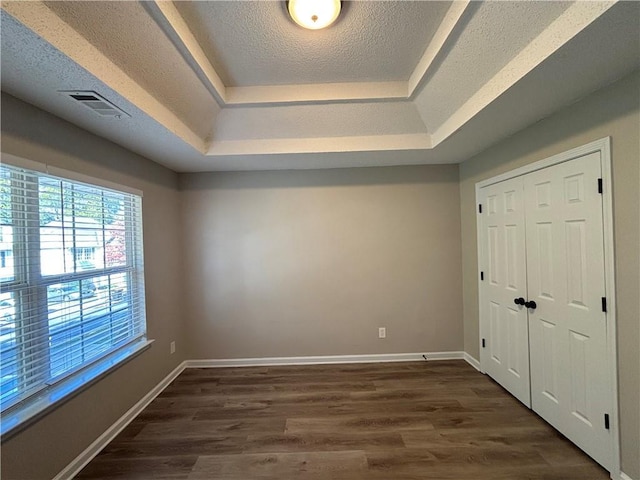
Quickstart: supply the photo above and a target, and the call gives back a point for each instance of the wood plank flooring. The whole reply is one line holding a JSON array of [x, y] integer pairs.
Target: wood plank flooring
[[395, 421]]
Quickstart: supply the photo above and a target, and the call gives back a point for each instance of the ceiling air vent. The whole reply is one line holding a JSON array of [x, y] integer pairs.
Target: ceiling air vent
[[97, 103]]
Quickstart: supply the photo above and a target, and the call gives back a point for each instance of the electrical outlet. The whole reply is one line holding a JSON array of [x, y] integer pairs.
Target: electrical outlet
[[382, 332], [172, 348]]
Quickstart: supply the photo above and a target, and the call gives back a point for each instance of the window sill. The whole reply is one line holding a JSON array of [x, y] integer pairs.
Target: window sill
[[16, 420]]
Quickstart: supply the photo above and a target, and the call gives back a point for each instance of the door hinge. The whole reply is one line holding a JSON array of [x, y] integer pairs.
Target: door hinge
[[481, 275], [604, 304], [484, 344], [599, 185], [606, 421], [479, 208]]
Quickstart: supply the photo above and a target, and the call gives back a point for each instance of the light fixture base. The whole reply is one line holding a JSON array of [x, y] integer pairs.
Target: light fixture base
[[314, 14]]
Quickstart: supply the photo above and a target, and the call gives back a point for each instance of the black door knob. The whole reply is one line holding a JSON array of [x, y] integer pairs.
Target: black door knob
[[531, 304], [519, 301]]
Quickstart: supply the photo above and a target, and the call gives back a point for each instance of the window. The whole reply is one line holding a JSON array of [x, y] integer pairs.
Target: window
[[72, 282], [5, 259], [84, 253]]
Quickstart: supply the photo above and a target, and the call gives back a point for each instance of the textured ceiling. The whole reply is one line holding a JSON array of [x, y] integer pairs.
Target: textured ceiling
[[115, 29], [477, 73], [255, 43], [472, 63]]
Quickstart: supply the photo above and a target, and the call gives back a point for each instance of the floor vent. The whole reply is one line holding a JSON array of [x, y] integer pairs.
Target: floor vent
[[97, 103]]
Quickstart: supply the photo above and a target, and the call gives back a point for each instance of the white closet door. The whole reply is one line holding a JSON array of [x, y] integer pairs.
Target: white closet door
[[570, 387], [505, 356]]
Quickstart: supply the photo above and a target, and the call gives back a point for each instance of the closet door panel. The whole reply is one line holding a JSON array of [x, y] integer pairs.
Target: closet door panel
[[505, 356], [565, 278]]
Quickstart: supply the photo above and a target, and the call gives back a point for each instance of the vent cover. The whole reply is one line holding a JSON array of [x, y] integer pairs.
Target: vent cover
[[96, 102]]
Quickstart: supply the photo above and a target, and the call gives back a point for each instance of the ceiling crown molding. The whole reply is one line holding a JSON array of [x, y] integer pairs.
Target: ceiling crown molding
[[174, 26], [452, 19], [360, 143]]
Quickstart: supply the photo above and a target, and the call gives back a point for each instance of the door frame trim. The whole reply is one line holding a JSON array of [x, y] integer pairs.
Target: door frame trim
[[603, 146]]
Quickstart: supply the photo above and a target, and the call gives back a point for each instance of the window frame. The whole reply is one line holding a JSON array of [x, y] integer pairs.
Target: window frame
[[54, 391]]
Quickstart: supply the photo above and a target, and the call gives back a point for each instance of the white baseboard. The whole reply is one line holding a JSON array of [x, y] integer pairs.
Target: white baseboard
[[624, 476], [472, 361], [103, 440], [321, 360], [443, 355]]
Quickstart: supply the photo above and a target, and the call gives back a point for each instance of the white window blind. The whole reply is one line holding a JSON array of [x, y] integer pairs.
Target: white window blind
[[72, 280]]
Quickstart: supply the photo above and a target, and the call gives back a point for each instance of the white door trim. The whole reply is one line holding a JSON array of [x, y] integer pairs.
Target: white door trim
[[603, 146]]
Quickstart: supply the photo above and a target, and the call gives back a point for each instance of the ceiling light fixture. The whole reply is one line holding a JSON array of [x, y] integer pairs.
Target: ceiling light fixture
[[314, 14]]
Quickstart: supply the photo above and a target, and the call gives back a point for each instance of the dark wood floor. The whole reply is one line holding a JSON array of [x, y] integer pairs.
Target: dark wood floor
[[394, 421]]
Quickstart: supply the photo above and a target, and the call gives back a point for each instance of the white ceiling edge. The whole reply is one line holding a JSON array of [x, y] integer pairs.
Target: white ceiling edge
[[314, 161], [447, 26], [574, 20], [361, 143], [308, 94], [171, 22], [174, 26], [37, 17]]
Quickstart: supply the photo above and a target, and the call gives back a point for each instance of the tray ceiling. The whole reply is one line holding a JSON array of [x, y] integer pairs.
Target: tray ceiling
[[237, 85]]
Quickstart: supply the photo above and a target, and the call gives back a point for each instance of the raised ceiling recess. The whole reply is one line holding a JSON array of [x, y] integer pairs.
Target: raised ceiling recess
[[230, 85]]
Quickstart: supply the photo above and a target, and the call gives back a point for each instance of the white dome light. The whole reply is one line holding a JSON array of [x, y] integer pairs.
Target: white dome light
[[314, 14]]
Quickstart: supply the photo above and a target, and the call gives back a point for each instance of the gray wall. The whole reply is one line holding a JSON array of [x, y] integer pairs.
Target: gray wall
[[46, 447], [613, 111], [312, 262]]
